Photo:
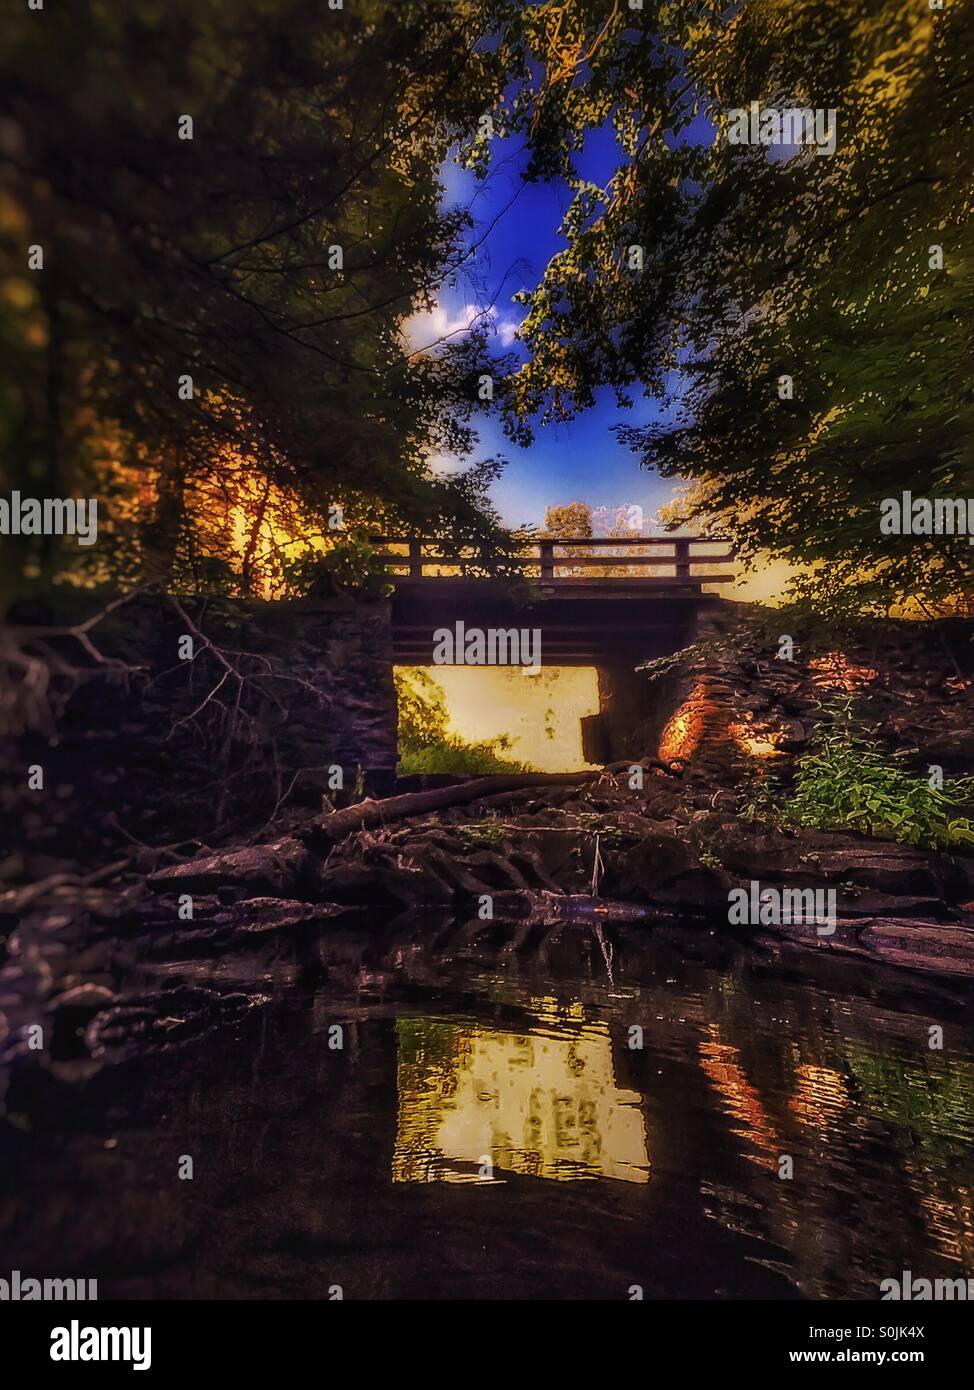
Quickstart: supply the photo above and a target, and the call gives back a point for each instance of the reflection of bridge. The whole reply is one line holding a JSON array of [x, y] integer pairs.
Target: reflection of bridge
[[604, 602]]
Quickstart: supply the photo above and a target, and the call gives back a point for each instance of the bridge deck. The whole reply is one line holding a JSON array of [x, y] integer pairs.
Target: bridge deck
[[606, 601]]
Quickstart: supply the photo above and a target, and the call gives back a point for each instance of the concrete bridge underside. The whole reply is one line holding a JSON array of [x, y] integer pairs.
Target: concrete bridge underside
[[612, 631]]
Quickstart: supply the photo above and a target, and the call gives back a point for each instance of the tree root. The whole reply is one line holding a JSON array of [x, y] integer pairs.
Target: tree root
[[17, 899]]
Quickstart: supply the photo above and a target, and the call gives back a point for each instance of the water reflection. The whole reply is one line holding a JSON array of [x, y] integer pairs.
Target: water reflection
[[609, 1164], [475, 1103]]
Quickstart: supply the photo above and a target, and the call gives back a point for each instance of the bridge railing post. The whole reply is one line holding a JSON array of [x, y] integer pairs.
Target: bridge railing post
[[547, 559], [415, 559], [682, 556]]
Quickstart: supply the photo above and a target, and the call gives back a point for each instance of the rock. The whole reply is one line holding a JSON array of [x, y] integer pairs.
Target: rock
[[560, 854], [254, 871], [941, 949], [800, 704], [701, 888], [960, 877], [895, 869], [657, 860], [665, 870], [414, 885], [530, 860], [817, 857], [855, 902], [793, 736], [845, 937], [495, 870], [954, 750], [352, 883], [457, 873]]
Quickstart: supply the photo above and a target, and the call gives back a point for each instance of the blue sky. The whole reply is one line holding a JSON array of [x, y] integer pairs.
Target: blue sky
[[580, 460]]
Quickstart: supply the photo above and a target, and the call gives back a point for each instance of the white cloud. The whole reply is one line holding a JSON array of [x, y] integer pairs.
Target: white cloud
[[425, 331]]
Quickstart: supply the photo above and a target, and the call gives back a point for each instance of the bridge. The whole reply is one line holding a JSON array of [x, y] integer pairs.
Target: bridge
[[606, 601]]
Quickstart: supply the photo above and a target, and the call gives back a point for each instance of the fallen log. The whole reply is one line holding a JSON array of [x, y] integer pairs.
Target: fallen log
[[530, 907], [365, 814]]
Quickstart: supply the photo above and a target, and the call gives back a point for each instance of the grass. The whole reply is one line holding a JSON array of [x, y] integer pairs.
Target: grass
[[455, 756]]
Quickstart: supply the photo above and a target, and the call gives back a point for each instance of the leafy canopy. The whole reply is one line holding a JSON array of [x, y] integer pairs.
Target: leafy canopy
[[756, 265]]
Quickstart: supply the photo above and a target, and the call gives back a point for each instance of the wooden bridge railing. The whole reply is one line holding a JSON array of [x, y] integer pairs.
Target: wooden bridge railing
[[417, 554]]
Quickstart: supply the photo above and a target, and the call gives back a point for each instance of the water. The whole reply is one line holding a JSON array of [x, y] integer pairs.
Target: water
[[488, 1130]]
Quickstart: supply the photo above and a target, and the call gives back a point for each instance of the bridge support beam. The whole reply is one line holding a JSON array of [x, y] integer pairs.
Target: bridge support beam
[[617, 731]]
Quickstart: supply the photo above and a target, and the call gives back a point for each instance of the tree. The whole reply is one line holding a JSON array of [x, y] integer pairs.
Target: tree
[[568, 522], [237, 207], [806, 318]]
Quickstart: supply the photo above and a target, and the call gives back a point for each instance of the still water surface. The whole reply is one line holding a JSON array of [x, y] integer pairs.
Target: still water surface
[[602, 1115]]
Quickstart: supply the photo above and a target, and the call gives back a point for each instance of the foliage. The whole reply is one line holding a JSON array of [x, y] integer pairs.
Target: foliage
[[213, 258], [568, 522], [761, 797], [929, 1099], [454, 757], [425, 744], [350, 565], [686, 656], [467, 526], [761, 263], [575, 521], [846, 782], [709, 857], [489, 832]]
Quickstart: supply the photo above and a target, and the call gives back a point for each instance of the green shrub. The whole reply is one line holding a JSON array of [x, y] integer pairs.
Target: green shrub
[[846, 781]]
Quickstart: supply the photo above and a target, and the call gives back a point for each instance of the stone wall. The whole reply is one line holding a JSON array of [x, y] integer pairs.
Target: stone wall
[[685, 703], [726, 697], [171, 748], [730, 697]]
